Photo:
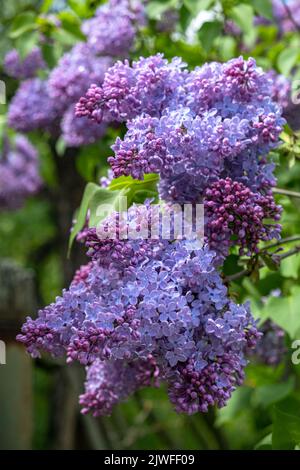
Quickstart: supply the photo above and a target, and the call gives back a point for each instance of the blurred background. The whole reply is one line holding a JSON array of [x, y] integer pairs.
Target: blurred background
[[39, 398]]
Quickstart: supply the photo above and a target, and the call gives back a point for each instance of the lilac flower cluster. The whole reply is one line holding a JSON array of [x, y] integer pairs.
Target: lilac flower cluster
[[236, 215], [287, 15], [172, 307], [190, 127], [281, 89], [110, 382], [270, 348], [148, 86], [32, 108], [19, 173], [48, 104], [113, 29], [74, 71], [21, 69]]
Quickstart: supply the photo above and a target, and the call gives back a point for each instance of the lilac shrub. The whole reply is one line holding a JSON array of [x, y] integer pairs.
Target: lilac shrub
[[119, 20], [28, 67], [19, 173], [148, 310]]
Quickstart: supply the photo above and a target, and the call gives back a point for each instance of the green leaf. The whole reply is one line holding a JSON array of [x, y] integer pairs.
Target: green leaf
[[208, 32], [156, 8], [269, 394], [128, 181], [71, 25], [46, 5], [22, 24], [25, 43], [243, 16], [265, 443], [48, 54], [79, 7], [287, 59], [103, 202], [264, 8], [195, 6], [270, 261], [285, 311], [289, 267], [286, 424], [89, 191], [239, 400]]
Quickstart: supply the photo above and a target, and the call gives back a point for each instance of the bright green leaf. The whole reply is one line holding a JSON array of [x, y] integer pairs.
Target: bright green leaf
[[208, 32], [22, 24], [286, 425], [287, 59], [264, 8], [267, 395], [243, 16], [284, 311], [89, 191]]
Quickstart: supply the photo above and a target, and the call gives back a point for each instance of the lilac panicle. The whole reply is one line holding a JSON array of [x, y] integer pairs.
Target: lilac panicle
[[236, 216], [110, 382], [32, 108], [113, 29], [19, 173], [148, 86], [75, 71], [21, 69], [172, 306], [270, 348]]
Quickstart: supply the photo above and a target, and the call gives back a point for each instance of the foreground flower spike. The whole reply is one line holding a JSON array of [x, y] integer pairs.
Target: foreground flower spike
[[110, 382], [75, 71], [172, 306], [236, 216], [113, 29], [28, 67], [32, 108], [19, 173]]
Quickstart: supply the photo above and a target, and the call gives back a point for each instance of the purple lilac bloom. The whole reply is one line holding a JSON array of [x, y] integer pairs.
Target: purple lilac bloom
[[287, 16], [32, 108], [270, 348], [190, 151], [110, 382], [173, 306], [19, 173], [75, 71], [281, 88], [218, 120], [78, 132], [236, 215], [19, 68], [112, 30], [148, 86]]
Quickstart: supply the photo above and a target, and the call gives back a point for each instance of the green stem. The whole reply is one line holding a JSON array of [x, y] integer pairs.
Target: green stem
[[286, 192]]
